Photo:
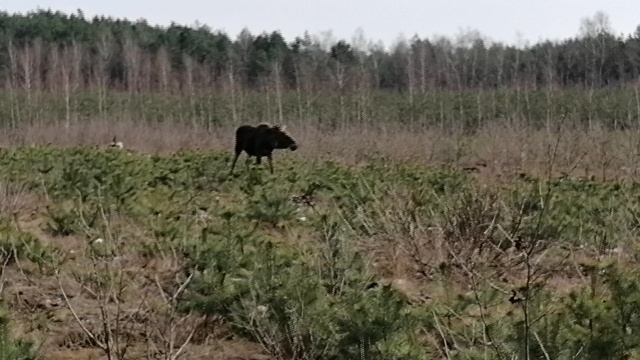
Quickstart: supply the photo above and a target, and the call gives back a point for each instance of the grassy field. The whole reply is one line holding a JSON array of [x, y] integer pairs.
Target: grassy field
[[366, 243]]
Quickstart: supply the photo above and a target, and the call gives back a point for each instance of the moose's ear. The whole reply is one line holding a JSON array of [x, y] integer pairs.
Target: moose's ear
[[282, 127]]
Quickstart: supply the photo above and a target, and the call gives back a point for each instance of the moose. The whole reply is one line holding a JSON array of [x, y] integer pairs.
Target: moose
[[260, 141]]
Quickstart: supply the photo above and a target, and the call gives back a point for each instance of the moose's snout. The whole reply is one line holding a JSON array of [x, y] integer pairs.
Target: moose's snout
[[293, 147]]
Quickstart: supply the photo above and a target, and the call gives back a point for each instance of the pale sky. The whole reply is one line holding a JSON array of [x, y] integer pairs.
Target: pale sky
[[506, 21]]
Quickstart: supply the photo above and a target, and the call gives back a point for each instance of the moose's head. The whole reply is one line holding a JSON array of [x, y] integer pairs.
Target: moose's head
[[281, 139]]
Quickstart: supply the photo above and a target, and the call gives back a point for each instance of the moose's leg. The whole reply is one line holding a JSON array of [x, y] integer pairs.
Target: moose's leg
[[270, 160], [237, 149], [235, 159], [258, 160]]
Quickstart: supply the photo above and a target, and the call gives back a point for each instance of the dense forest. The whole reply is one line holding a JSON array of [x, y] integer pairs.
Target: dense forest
[[52, 52]]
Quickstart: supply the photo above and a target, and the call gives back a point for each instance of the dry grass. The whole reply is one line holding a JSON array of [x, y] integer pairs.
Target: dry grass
[[16, 198], [497, 150]]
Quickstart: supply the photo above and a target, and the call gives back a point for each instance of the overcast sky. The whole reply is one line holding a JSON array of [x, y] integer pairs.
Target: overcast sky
[[500, 20]]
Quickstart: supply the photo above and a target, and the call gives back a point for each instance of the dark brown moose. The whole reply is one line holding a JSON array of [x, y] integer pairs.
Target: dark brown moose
[[260, 141]]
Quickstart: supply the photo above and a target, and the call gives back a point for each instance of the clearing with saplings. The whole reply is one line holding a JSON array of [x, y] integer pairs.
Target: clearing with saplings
[[444, 200]]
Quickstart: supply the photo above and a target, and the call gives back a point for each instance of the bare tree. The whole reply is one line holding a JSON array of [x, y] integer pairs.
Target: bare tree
[[163, 70], [132, 64]]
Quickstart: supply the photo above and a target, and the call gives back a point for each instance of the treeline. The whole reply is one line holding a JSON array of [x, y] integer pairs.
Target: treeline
[[51, 50], [64, 68]]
